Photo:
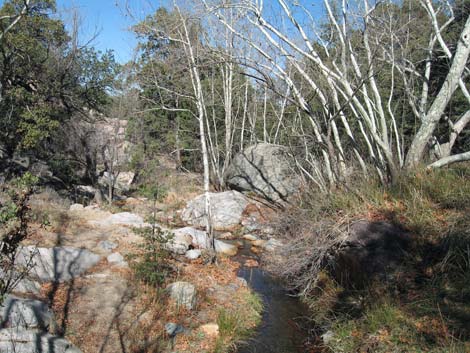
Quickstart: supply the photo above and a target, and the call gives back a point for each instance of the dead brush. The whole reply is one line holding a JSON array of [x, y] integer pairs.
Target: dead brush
[[310, 248]]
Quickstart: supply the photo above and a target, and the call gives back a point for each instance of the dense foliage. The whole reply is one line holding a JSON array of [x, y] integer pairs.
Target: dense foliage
[[46, 77]]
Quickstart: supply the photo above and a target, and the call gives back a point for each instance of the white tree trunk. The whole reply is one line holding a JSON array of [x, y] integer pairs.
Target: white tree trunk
[[430, 121]]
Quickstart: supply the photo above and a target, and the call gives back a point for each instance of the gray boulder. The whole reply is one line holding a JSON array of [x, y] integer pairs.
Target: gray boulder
[[178, 242], [201, 239], [226, 210], [107, 245], [183, 293], [27, 285], [173, 329], [57, 264], [14, 340], [121, 181], [265, 169], [25, 313], [117, 259]]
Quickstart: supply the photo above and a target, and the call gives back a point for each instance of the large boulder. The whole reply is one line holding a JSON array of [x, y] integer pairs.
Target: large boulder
[[122, 181], [57, 264], [226, 210], [14, 340], [25, 313], [265, 169]]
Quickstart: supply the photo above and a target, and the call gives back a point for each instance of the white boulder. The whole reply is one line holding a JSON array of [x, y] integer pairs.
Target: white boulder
[[226, 210]]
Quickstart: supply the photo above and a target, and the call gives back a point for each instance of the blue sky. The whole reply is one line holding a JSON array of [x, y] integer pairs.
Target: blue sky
[[108, 20]]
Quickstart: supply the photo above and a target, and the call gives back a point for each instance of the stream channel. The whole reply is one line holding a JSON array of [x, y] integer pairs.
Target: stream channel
[[281, 329]]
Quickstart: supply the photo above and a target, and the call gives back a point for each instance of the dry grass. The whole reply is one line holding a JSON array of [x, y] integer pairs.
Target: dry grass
[[424, 306]]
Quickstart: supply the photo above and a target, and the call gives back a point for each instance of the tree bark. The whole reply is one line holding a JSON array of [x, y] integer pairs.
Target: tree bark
[[461, 157], [430, 121]]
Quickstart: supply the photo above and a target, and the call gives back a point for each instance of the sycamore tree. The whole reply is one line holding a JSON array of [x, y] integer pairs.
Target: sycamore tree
[[363, 78]]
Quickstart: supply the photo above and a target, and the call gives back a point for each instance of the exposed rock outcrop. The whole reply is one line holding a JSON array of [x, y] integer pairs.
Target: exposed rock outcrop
[[123, 219], [14, 340], [57, 264], [25, 313]]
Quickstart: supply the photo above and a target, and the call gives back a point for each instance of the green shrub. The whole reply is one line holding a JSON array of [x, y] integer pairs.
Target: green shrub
[[152, 266], [14, 198]]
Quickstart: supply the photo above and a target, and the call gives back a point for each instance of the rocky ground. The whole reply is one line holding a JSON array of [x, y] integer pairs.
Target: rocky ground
[[81, 293]]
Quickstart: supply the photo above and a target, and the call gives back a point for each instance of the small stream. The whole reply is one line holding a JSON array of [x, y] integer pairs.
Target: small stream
[[281, 329]]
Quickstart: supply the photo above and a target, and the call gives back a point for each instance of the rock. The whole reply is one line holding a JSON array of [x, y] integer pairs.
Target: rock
[[250, 237], [251, 263], [76, 207], [86, 189], [197, 237], [33, 341], [226, 208], [27, 285], [200, 239], [21, 161], [56, 264], [122, 181], [241, 281], [267, 169], [125, 179], [107, 245], [184, 294], [117, 259], [25, 313], [226, 236], [225, 248], [123, 219], [260, 243], [327, 337], [239, 243], [173, 329], [193, 254], [211, 330], [179, 242]]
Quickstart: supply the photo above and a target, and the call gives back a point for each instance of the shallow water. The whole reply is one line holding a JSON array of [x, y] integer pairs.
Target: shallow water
[[281, 328]]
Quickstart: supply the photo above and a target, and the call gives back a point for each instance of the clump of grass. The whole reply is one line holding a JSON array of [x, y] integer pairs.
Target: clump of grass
[[235, 326], [387, 326], [430, 290]]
